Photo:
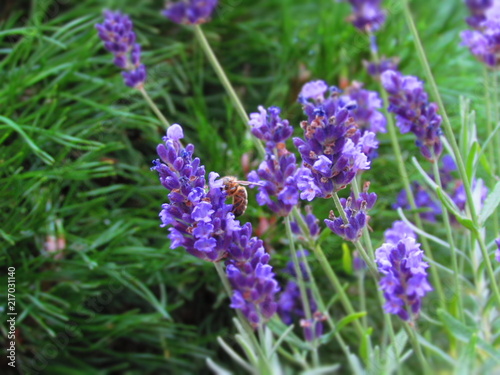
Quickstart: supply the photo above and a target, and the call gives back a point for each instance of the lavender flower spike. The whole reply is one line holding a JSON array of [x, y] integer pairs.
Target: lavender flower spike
[[119, 38], [478, 9], [329, 149], [192, 12], [405, 278], [279, 175], [497, 252], [198, 220], [409, 102], [367, 15], [251, 277], [355, 210]]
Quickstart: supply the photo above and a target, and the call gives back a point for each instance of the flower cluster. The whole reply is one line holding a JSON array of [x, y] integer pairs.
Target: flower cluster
[[375, 69], [119, 38], [484, 41], [367, 15], [190, 12], [356, 212], [333, 147], [291, 306], [312, 222], [278, 176], [405, 277], [478, 9], [398, 231], [497, 252], [423, 199], [200, 221], [409, 101], [251, 277]]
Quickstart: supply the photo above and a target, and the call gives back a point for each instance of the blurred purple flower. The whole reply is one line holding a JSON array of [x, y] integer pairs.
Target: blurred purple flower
[[497, 251], [192, 12], [409, 102], [375, 69], [312, 224], [356, 212], [367, 15], [477, 9], [405, 278], [422, 200], [398, 231], [291, 306], [119, 38]]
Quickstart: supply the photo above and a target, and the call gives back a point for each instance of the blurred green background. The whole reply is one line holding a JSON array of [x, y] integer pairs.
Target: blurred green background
[[76, 146]]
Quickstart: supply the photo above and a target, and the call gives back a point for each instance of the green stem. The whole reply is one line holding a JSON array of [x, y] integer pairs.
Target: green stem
[[454, 145], [369, 261], [332, 277], [226, 83], [154, 107], [301, 282], [451, 242], [418, 349]]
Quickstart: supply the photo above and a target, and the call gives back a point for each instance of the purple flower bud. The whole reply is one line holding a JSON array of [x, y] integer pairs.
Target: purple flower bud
[[409, 102], [119, 38], [269, 127], [367, 14], [497, 252], [397, 232], [190, 12], [355, 210]]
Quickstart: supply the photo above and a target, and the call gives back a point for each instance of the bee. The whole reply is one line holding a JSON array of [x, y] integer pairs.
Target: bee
[[233, 188]]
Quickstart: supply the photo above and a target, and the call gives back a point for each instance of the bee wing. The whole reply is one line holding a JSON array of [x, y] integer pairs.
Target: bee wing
[[248, 183]]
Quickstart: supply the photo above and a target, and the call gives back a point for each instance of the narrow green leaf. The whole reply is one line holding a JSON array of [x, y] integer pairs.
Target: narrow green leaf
[[466, 360], [490, 204]]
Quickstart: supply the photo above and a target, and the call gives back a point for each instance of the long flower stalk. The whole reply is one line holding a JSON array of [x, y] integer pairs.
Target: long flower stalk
[[219, 70], [454, 145]]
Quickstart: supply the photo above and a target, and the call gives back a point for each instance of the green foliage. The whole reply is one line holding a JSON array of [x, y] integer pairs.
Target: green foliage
[[76, 146]]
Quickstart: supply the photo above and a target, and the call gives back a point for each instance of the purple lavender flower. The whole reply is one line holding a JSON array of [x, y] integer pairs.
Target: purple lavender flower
[[409, 102], [423, 200], [291, 306], [397, 232], [405, 278], [478, 9], [119, 38], [202, 223], [376, 69], [358, 264], [312, 224], [366, 114], [497, 251], [192, 12], [329, 148], [269, 127], [279, 175], [485, 43], [251, 277], [198, 220], [356, 212], [367, 15]]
